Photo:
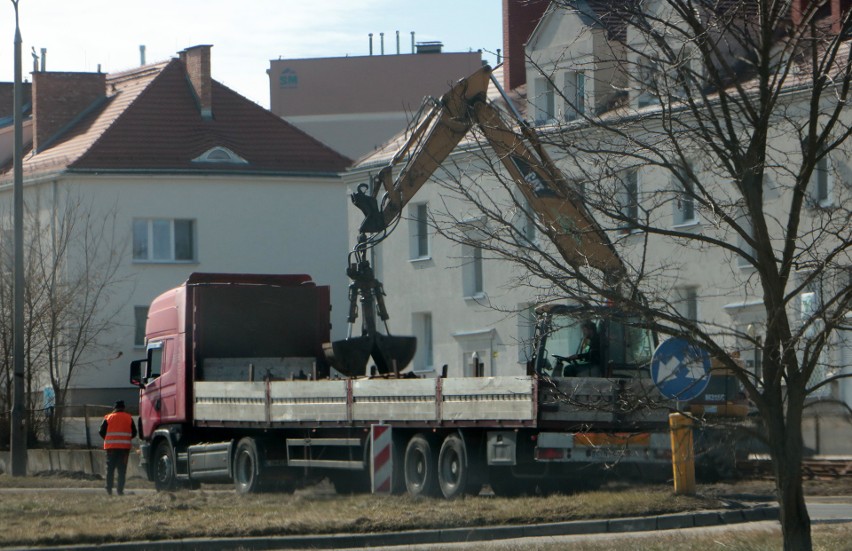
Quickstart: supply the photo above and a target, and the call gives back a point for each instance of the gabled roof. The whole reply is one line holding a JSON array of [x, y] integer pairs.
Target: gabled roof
[[150, 122], [608, 15]]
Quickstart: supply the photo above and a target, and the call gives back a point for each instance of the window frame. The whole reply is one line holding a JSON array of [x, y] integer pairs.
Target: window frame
[[742, 263], [684, 190], [574, 89], [628, 202], [545, 104], [423, 329], [686, 302], [420, 239], [151, 238], [473, 266], [826, 173], [137, 327]]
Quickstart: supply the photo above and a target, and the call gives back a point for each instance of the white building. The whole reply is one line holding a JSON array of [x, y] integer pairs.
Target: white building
[[459, 303], [168, 172]]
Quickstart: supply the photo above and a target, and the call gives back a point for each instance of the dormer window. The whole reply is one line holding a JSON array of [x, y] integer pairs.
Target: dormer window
[[219, 154]]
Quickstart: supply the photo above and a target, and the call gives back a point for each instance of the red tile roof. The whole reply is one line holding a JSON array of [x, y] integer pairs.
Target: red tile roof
[[150, 121]]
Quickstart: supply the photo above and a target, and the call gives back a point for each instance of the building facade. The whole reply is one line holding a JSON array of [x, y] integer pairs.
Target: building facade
[[355, 104], [586, 77]]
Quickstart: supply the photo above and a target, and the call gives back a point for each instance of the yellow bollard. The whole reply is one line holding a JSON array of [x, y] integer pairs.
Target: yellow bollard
[[683, 455]]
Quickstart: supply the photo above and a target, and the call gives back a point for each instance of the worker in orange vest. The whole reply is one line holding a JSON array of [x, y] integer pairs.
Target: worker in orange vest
[[117, 430]]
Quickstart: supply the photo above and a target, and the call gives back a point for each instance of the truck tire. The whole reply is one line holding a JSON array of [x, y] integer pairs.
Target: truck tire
[[421, 476], [165, 479], [247, 469], [453, 468]]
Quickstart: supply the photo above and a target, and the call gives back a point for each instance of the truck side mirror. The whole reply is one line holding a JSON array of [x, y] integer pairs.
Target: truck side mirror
[[138, 372]]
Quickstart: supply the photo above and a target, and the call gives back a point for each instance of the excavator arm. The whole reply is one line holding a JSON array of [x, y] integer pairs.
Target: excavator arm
[[577, 236]]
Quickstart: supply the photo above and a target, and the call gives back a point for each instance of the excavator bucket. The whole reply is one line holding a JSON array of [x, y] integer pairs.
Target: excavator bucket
[[350, 356]]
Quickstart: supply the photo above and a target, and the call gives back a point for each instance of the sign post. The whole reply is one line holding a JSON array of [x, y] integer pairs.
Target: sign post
[[681, 371]]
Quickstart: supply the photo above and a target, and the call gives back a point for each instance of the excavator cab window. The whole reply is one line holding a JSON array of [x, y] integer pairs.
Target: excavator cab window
[[629, 350], [574, 343], [574, 347]]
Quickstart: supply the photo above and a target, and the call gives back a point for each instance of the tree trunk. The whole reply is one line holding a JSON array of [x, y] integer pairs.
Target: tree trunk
[[785, 444]]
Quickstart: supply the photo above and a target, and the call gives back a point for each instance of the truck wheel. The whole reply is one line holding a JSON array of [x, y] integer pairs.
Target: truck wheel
[[246, 467], [453, 468], [421, 477], [164, 467]]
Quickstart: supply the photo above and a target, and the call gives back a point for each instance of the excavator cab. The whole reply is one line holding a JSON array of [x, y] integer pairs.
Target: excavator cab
[[590, 342]]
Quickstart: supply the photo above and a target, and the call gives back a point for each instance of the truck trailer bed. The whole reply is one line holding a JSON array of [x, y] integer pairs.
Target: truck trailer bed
[[506, 401]]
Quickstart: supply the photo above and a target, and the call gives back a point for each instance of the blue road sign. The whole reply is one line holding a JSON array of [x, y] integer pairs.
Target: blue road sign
[[680, 370]]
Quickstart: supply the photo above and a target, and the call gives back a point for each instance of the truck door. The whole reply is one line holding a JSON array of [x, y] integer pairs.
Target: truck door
[[168, 384], [163, 386], [150, 403]]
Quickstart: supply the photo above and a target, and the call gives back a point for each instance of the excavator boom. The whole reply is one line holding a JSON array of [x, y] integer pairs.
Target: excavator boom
[[579, 239]]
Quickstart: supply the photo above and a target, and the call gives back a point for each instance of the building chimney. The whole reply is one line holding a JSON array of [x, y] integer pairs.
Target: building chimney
[[371, 43], [59, 99], [499, 57], [141, 54], [196, 61], [43, 60], [412, 42], [431, 47], [382, 42], [397, 42], [519, 19]]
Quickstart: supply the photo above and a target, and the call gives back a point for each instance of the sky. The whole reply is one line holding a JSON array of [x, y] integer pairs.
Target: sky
[[81, 34]]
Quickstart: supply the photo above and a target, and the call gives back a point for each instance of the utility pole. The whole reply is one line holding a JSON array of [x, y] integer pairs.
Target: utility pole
[[18, 440]]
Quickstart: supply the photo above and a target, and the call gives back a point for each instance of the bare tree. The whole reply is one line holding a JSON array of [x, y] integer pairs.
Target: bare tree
[[709, 140], [73, 259]]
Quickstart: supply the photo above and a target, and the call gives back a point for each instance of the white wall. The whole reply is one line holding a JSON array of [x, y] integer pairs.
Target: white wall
[[243, 224]]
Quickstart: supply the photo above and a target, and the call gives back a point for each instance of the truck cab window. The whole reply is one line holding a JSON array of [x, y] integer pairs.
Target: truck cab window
[[155, 362]]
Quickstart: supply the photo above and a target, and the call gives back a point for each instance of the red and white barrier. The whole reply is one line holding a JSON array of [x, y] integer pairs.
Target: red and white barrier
[[381, 461]]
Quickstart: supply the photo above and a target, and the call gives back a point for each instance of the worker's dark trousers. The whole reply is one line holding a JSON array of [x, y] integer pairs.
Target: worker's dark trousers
[[116, 460]]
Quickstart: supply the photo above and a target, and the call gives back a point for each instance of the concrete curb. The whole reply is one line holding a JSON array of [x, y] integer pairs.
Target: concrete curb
[[450, 535]]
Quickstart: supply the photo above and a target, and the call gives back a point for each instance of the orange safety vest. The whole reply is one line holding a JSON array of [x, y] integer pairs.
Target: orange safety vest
[[119, 431]]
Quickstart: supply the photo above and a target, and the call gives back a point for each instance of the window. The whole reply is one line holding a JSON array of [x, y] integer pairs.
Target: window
[[648, 74], [141, 317], [575, 95], [472, 271], [422, 326], [219, 155], [418, 231], [684, 208], [744, 246], [628, 201], [546, 107], [822, 182], [524, 222], [686, 303], [163, 240]]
